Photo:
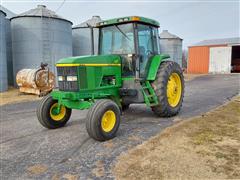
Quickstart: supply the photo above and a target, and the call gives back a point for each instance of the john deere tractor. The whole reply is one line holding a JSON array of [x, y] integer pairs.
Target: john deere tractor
[[128, 69]]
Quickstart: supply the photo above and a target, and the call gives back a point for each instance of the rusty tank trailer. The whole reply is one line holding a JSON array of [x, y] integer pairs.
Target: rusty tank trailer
[[36, 81]]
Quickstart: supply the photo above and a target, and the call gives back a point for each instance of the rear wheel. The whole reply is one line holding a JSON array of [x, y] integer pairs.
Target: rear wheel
[[169, 88], [49, 116], [103, 120]]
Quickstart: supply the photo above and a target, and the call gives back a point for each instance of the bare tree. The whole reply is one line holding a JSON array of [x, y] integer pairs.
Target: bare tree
[[184, 58]]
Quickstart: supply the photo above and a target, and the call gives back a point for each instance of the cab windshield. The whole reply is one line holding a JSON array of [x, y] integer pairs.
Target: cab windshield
[[117, 39]]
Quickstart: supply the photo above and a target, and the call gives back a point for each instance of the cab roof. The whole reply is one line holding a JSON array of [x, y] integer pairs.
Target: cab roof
[[127, 19]]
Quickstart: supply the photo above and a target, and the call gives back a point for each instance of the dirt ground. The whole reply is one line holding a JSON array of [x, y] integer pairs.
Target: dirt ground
[[189, 77], [204, 147], [14, 96]]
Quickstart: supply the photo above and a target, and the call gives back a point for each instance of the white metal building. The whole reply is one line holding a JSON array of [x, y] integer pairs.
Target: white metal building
[[215, 56]]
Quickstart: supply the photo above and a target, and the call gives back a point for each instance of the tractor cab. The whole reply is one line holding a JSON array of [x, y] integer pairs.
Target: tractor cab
[[135, 39]]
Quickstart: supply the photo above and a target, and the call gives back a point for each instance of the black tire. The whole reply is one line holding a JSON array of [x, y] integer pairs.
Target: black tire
[[94, 120], [164, 109], [43, 114]]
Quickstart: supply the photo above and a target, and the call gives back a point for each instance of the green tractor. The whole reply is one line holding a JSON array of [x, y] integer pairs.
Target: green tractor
[[128, 69]]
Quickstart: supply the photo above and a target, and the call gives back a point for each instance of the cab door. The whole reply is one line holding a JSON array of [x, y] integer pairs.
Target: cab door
[[148, 46]]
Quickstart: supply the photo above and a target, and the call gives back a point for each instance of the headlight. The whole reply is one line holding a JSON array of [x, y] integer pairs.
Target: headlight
[[120, 20], [71, 78], [60, 78]]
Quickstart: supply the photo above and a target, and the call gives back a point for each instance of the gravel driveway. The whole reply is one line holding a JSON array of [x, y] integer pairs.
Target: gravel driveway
[[29, 151]]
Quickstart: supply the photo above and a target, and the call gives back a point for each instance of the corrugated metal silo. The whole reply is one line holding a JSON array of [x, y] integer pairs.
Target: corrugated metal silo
[[9, 15], [9, 52], [172, 45], [3, 55], [40, 35], [85, 37]]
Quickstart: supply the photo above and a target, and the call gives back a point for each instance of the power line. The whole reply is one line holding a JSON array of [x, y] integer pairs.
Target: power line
[[59, 7]]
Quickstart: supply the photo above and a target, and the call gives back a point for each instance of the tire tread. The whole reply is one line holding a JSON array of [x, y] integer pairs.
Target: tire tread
[[165, 70]]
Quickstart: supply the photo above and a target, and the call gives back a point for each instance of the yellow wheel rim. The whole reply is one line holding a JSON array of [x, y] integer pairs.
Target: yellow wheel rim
[[108, 121], [57, 116], [174, 89]]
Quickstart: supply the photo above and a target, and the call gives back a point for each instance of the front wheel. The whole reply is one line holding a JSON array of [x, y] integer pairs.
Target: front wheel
[[103, 120], [169, 88], [49, 116]]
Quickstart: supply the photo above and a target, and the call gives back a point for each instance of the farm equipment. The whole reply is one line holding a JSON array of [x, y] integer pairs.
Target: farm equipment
[[128, 69]]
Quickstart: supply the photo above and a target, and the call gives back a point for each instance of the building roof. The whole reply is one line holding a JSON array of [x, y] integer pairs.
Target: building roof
[[9, 14], [225, 41], [167, 35], [89, 23], [3, 13], [40, 11]]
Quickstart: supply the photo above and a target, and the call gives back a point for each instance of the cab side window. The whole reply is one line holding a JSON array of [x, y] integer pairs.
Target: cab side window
[[156, 41]]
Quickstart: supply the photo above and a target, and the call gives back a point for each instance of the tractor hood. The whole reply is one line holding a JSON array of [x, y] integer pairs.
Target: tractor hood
[[90, 60]]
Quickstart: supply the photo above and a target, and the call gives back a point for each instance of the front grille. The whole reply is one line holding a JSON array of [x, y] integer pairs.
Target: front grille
[[67, 85], [67, 71]]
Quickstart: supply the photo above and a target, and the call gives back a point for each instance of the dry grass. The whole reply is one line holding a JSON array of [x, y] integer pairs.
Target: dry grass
[[99, 171], [108, 144], [14, 96], [70, 177], [37, 169], [65, 177], [206, 147]]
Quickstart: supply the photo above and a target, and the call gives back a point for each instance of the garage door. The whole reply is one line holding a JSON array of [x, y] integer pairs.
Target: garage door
[[220, 60]]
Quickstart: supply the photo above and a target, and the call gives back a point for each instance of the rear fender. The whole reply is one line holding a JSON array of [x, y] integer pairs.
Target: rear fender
[[154, 65]]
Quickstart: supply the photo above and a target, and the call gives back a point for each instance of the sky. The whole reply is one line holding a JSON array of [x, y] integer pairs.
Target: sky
[[191, 20]]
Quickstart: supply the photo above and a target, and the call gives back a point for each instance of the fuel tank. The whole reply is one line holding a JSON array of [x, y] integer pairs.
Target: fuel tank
[[35, 81]]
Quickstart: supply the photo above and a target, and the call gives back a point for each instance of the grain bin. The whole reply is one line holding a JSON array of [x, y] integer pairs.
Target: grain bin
[[40, 35], [172, 45], [85, 37], [9, 15], [3, 55], [9, 52]]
